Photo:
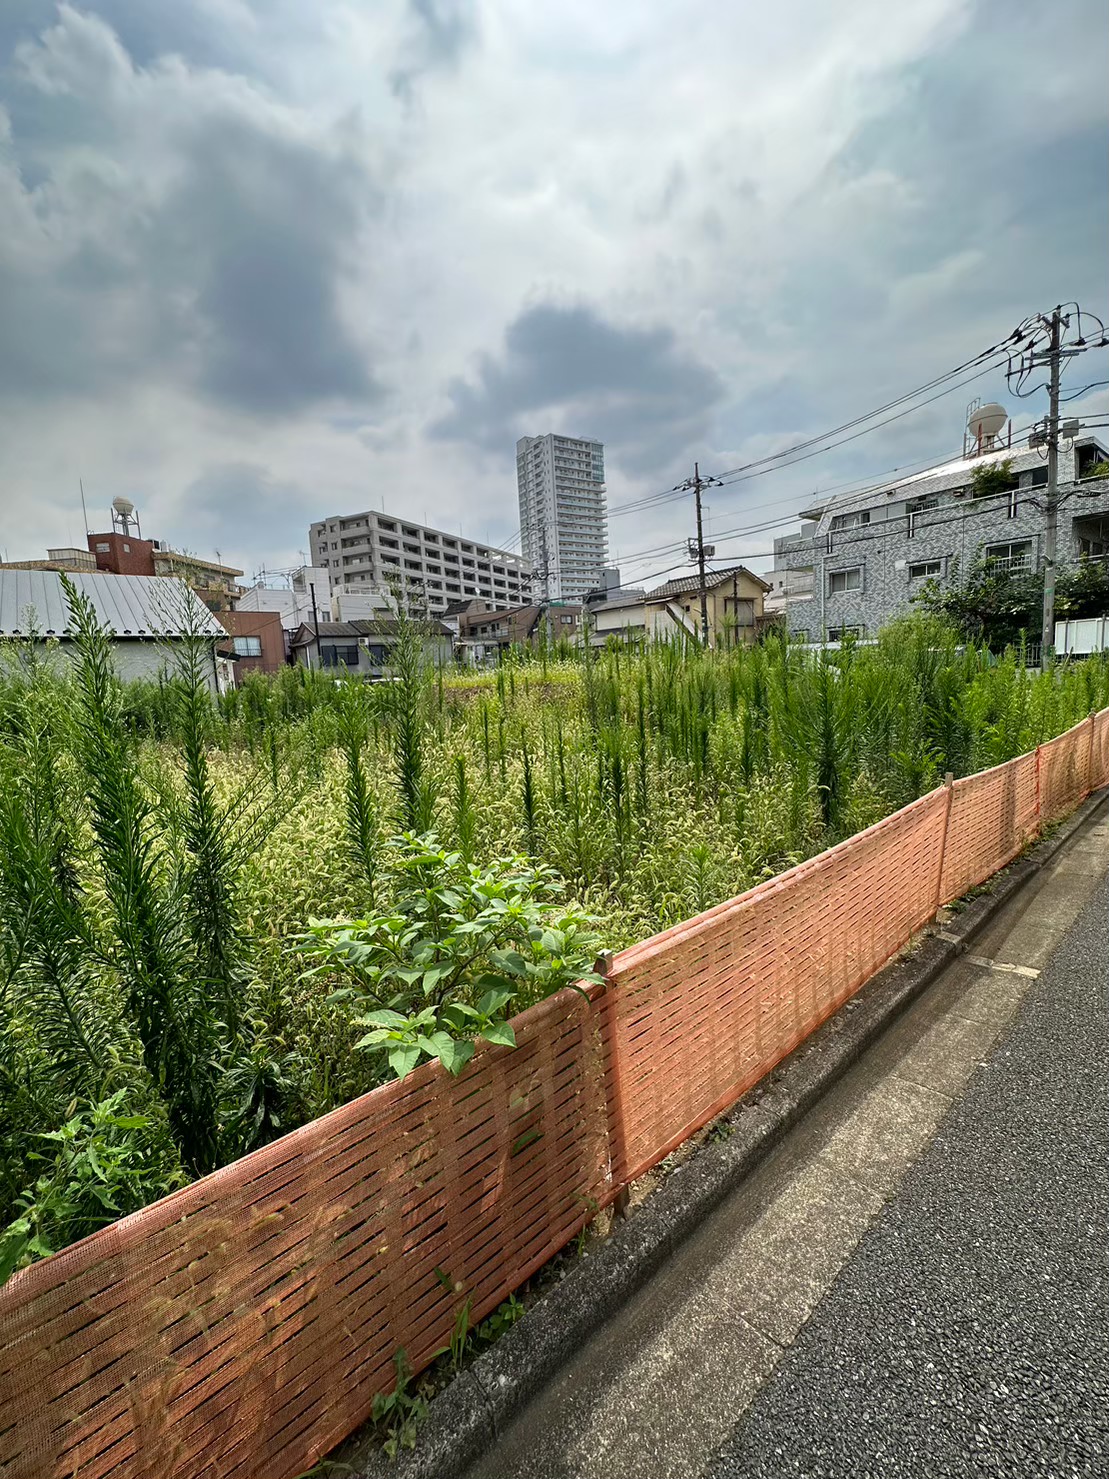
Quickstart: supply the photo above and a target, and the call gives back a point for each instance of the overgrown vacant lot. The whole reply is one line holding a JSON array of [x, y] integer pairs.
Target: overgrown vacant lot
[[220, 920]]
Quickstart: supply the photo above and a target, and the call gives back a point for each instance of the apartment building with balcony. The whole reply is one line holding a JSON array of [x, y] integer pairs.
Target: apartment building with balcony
[[428, 568], [563, 521], [858, 561]]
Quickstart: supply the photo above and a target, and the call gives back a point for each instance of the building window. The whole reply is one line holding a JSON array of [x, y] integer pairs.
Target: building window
[[845, 580], [247, 646], [837, 634], [567, 621], [853, 520], [1015, 556], [925, 568], [334, 656], [103, 549]]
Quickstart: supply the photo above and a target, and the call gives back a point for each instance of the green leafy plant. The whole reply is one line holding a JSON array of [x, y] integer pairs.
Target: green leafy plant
[[463, 944], [400, 1412], [105, 1163]]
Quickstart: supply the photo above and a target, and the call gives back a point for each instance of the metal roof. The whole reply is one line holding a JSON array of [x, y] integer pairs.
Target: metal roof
[[131, 605]]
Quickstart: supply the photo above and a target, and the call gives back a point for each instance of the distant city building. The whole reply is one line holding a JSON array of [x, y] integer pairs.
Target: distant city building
[[561, 485], [123, 551], [428, 568], [308, 593], [859, 560]]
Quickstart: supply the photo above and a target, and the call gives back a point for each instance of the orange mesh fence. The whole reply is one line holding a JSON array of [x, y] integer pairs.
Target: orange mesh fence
[[240, 1328], [1065, 771], [993, 815], [702, 1012]]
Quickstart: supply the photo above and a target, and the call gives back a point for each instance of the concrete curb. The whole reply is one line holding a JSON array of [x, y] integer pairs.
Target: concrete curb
[[464, 1420]]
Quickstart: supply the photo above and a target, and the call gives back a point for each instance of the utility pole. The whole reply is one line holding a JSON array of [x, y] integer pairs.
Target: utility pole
[[697, 486], [1045, 341], [699, 550], [1051, 519], [315, 624]]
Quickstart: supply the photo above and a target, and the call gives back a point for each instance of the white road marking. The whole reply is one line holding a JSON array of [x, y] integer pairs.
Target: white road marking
[[1000, 965]]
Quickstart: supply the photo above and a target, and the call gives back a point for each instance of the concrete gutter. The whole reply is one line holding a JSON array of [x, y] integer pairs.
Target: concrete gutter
[[465, 1420]]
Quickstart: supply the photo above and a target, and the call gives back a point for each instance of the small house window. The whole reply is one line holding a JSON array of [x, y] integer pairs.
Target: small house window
[[837, 634], [103, 549], [925, 568], [247, 646], [333, 655]]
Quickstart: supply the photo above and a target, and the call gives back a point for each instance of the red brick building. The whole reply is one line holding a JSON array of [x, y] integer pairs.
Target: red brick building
[[125, 553]]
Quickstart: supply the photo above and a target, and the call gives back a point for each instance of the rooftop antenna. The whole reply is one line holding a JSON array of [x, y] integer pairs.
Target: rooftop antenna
[[84, 510]]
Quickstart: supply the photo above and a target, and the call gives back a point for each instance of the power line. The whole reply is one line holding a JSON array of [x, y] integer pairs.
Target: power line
[[763, 525]]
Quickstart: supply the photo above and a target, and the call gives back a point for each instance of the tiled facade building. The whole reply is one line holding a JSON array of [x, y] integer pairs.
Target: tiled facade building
[[858, 561]]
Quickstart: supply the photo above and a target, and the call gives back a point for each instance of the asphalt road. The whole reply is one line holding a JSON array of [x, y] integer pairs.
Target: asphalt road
[[968, 1333]]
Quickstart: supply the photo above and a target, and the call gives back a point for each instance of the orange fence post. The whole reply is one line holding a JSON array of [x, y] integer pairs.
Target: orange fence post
[[1090, 759], [949, 786], [614, 1086]]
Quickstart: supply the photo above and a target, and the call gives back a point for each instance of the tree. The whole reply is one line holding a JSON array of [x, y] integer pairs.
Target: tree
[[1002, 607]]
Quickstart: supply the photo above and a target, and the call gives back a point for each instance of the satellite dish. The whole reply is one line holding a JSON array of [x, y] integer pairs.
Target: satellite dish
[[986, 421], [123, 506]]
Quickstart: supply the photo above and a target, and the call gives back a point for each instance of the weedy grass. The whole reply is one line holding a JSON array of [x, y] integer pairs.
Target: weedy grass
[[206, 902]]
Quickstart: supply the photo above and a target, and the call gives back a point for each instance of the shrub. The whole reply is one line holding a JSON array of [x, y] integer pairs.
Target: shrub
[[462, 944]]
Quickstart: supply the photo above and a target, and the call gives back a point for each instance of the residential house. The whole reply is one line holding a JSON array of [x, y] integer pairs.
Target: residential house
[[257, 641], [484, 636], [150, 618], [618, 616], [734, 602], [363, 648]]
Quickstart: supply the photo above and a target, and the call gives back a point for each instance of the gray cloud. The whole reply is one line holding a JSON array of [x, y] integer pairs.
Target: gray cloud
[[440, 31], [227, 505], [184, 228], [636, 387]]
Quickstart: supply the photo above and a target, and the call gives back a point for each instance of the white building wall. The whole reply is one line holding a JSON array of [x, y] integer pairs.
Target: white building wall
[[561, 486], [133, 659], [294, 603]]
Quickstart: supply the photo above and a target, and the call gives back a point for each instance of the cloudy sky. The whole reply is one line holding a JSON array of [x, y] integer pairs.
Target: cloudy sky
[[262, 260]]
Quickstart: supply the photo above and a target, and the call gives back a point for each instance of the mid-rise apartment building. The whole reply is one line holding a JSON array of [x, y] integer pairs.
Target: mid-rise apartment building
[[428, 568], [561, 484], [858, 560]]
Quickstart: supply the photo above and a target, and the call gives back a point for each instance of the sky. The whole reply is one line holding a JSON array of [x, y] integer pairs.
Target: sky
[[267, 260]]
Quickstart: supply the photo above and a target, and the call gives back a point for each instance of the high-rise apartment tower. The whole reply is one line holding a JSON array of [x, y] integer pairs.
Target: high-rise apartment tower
[[561, 482]]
